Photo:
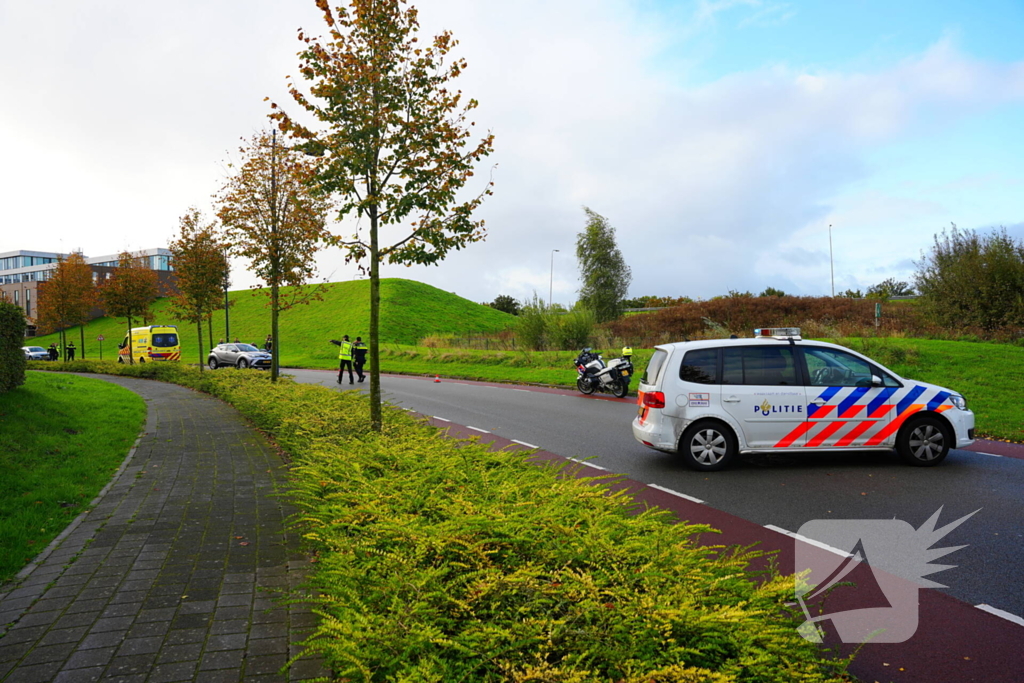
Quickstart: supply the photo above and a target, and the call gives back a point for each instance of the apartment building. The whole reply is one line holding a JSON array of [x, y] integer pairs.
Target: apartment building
[[23, 272]]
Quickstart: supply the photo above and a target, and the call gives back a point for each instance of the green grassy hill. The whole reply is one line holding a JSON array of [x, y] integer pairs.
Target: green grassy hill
[[409, 311]]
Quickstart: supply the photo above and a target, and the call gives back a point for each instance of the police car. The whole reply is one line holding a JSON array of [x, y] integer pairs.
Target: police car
[[710, 400]]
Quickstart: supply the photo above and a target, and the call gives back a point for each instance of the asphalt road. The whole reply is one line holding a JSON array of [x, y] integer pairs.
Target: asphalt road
[[780, 490]]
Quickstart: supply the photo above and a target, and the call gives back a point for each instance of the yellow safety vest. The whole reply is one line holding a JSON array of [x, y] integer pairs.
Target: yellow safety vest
[[346, 351]]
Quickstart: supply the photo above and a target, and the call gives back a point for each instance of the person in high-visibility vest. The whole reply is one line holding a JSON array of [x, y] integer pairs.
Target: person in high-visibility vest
[[345, 359]]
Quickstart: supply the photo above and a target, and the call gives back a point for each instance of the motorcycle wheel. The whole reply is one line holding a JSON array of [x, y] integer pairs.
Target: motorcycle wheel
[[584, 386], [619, 388]]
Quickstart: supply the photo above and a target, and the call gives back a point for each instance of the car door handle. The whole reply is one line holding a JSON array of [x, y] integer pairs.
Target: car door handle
[[818, 402], [731, 399]]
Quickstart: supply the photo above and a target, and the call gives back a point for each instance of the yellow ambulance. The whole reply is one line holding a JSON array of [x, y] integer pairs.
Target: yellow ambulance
[[153, 343]]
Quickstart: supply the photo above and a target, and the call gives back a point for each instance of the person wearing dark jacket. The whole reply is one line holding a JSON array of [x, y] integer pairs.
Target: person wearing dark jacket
[[70, 351], [359, 355]]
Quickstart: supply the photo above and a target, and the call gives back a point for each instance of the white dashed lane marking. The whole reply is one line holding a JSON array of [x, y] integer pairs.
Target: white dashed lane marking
[[523, 443], [441, 419], [1001, 613], [589, 464], [676, 493], [808, 541], [477, 429], [994, 455]]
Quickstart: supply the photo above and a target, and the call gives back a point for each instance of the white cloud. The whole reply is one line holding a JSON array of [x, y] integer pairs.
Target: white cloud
[[120, 114]]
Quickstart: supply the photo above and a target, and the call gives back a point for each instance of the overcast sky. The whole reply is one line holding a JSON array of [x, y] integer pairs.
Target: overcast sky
[[720, 138]]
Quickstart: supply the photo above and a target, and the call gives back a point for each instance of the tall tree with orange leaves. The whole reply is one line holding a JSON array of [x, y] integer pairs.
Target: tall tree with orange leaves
[[199, 263], [394, 142], [129, 291], [272, 218], [66, 298]]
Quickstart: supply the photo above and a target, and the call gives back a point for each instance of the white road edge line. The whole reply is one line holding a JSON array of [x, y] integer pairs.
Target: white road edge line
[[676, 493], [523, 443], [808, 541], [1001, 613], [588, 464], [994, 455], [440, 418], [477, 429], [527, 390]]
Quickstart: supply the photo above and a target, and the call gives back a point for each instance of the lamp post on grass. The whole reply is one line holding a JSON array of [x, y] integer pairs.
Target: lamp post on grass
[[831, 265], [551, 282]]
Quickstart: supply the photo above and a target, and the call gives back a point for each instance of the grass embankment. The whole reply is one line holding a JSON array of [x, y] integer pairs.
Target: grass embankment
[[440, 560], [410, 311], [61, 439]]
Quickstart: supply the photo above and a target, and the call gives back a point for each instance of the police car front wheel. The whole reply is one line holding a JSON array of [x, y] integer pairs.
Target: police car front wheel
[[924, 442], [708, 446]]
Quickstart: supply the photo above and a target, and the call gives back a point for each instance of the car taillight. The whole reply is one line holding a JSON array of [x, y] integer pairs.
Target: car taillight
[[653, 399]]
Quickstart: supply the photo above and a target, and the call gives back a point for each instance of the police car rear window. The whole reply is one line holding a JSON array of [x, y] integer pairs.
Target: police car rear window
[[764, 365], [165, 339], [700, 366], [654, 366]]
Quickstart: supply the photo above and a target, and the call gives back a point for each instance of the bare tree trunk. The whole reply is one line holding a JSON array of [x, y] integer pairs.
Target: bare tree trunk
[[81, 332], [376, 413], [199, 327]]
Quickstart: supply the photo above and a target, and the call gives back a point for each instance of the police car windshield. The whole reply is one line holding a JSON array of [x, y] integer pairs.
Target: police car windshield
[[246, 348]]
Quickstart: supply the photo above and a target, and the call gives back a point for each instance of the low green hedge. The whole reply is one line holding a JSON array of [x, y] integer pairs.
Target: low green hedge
[[439, 560]]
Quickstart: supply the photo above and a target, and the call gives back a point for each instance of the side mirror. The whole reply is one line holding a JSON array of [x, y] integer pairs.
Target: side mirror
[[876, 381]]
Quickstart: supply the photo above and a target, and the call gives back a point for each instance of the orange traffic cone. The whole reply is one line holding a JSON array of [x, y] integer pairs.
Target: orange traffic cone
[[437, 378]]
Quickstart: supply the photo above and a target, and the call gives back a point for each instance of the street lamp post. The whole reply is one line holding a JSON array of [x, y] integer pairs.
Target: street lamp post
[[831, 265], [551, 282]]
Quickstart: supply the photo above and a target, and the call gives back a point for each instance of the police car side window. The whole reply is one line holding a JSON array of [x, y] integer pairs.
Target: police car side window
[[700, 366], [763, 365], [834, 368]]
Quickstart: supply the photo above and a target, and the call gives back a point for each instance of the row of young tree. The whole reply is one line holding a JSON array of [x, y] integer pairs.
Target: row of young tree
[[67, 298], [390, 146]]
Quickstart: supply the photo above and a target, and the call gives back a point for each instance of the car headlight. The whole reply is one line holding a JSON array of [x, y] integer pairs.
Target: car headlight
[[958, 401]]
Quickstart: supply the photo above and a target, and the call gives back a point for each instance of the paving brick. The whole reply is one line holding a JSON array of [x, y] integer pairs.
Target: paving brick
[[90, 675], [132, 664], [266, 646], [99, 656], [64, 635], [226, 659], [49, 653], [169, 673], [37, 673], [140, 646], [265, 664], [111, 624], [102, 639]]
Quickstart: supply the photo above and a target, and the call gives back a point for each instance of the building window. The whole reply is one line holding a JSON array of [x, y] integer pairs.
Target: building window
[[16, 302], [28, 302]]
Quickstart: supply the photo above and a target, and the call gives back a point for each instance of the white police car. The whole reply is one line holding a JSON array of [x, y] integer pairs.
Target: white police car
[[714, 398]]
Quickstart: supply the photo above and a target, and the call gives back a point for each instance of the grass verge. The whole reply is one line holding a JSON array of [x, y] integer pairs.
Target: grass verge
[[441, 560], [61, 439]]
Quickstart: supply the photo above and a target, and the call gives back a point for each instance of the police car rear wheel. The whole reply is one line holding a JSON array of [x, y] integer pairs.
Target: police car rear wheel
[[708, 446], [924, 442]]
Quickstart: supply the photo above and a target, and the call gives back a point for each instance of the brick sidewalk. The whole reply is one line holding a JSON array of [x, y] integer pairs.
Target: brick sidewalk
[[172, 576]]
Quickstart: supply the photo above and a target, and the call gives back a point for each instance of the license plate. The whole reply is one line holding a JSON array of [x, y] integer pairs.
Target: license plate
[[625, 373]]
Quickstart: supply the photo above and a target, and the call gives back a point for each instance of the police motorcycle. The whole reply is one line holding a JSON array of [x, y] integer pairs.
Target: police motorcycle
[[593, 374]]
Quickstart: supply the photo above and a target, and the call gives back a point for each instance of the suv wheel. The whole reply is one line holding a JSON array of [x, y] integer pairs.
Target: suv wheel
[[708, 446], [212, 363], [242, 364], [924, 441]]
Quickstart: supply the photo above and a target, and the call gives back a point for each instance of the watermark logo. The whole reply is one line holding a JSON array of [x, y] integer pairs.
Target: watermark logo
[[883, 560]]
